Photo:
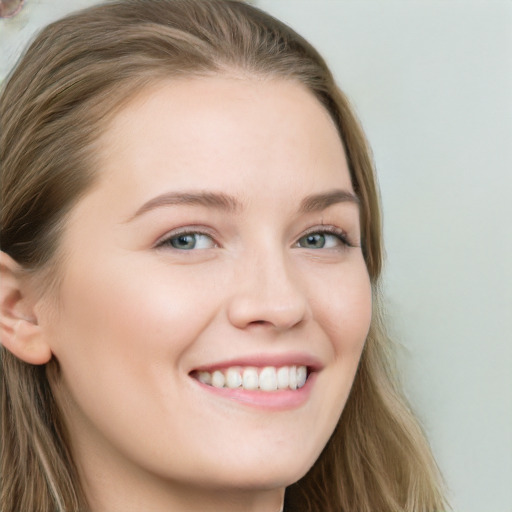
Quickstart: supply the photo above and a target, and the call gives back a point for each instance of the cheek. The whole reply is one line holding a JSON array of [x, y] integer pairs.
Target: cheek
[[125, 305], [344, 309], [120, 337], [117, 330]]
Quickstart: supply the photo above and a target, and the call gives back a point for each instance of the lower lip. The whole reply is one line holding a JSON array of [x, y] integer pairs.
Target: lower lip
[[280, 400]]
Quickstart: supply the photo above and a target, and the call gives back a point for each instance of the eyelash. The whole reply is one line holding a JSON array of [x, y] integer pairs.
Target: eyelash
[[165, 242], [329, 230], [189, 230]]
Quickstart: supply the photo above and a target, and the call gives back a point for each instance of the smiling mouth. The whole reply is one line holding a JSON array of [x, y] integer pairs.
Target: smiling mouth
[[251, 378]]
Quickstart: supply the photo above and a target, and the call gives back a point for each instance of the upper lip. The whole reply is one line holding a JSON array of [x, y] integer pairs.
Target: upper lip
[[262, 360]]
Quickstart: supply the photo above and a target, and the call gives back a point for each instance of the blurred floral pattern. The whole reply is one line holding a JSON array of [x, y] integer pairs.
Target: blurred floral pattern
[[10, 8]]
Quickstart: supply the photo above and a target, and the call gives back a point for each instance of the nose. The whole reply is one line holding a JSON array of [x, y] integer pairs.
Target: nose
[[267, 293]]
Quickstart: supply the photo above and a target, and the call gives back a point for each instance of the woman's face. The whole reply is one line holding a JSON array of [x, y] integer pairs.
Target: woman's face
[[216, 259]]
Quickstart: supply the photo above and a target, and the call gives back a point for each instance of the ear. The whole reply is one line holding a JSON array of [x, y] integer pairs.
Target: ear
[[20, 332]]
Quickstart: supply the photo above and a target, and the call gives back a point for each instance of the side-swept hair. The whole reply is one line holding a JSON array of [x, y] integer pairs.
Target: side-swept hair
[[74, 77]]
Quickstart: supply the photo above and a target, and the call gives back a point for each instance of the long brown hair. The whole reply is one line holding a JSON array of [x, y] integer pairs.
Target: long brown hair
[[73, 78]]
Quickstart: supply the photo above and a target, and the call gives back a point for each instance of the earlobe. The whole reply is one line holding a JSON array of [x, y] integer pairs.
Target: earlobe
[[20, 332]]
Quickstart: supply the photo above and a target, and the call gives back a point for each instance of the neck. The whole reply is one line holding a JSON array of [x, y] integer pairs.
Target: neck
[[193, 501]]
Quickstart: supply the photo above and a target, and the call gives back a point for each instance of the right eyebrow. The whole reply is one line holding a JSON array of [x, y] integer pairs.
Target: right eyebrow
[[215, 200]]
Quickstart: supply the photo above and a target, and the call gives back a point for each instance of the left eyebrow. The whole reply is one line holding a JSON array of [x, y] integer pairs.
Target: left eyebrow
[[319, 202]]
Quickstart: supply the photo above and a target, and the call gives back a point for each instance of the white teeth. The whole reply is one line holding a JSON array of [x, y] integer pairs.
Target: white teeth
[[233, 378], [292, 377], [218, 379], [204, 377], [250, 379], [302, 375], [282, 377], [268, 378]]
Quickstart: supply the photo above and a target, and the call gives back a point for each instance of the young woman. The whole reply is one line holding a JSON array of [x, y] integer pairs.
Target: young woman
[[191, 251]]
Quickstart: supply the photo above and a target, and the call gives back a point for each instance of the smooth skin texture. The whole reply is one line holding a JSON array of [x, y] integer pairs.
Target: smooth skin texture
[[139, 308]]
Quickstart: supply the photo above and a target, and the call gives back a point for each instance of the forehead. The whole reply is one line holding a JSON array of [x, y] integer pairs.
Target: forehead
[[222, 131]]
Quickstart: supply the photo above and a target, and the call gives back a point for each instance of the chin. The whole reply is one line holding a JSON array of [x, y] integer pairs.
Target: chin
[[265, 475]]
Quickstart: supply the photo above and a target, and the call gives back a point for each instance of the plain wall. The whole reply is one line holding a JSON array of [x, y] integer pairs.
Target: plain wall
[[432, 83]]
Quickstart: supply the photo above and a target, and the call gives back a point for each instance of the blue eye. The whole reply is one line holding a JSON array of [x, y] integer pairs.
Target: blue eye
[[189, 241], [323, 240]]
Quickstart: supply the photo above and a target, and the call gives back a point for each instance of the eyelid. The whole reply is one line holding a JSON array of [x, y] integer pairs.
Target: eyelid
[[330, 230], [205, 231], [185, 230]]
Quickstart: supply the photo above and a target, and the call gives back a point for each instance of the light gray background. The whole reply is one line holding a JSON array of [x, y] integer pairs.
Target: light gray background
[[432, 83]]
